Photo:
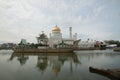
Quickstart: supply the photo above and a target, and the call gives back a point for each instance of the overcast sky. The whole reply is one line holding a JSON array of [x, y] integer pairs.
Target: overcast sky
[[94, 19]]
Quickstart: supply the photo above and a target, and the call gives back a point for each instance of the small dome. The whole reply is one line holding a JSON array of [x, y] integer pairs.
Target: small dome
[[56, 28]]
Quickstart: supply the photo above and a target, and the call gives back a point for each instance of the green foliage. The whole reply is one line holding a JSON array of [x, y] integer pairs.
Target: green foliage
[[118, 44]]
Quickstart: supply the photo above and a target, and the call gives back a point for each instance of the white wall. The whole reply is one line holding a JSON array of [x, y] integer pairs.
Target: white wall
[[86, 44]]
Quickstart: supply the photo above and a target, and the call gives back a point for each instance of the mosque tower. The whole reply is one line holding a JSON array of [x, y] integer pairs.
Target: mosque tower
[[70, 32], [56, 36]]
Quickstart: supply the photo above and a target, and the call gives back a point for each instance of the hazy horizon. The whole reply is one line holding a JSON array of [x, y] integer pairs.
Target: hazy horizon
[[94, 19]]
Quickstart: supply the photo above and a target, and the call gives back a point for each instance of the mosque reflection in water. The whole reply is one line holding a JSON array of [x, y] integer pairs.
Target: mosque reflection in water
[[44, 60]]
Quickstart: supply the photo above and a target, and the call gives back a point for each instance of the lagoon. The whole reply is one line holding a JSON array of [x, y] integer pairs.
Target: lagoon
[[45, 66]]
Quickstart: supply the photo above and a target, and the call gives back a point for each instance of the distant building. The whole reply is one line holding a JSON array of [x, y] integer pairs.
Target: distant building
[[55, 37], [111, 45], [7, 45], [42, 39], [86, 44], [4, 45], [23, 42]]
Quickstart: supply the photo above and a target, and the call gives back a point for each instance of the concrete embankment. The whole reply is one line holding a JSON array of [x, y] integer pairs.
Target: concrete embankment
[[43, 50]]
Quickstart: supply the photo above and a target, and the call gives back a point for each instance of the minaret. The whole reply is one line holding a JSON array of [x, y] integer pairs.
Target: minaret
[[70, 30], [75, 36]]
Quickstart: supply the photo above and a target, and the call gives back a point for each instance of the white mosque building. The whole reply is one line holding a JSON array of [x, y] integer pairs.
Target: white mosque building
[[56, 37], [56, 40]]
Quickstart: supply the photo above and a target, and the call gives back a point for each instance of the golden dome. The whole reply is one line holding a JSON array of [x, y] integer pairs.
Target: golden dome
[[56, 28]]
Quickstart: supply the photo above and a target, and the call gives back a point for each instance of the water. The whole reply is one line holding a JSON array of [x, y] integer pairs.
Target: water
[[56, 66]]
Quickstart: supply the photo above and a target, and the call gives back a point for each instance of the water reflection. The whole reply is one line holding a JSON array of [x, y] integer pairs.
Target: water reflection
[[56, 66], [95, 55], [22, 59], [44, 60]]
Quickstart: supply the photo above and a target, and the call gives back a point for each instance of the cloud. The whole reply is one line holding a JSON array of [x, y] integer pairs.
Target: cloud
[[27, 18]]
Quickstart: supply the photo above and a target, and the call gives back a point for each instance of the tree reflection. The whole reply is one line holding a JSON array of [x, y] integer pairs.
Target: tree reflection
[[22, 59], [42, 63]]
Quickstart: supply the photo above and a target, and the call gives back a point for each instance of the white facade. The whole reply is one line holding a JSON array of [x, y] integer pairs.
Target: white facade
[[86, 44], [68, 41], [55, 37]]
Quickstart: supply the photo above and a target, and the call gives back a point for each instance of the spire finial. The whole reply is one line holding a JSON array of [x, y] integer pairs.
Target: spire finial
[[56, 25]]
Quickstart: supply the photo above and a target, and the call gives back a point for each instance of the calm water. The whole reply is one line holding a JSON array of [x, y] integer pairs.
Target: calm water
[[56, 66]]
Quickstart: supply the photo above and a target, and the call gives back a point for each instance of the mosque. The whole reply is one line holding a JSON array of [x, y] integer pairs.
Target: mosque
[[55, 40]]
